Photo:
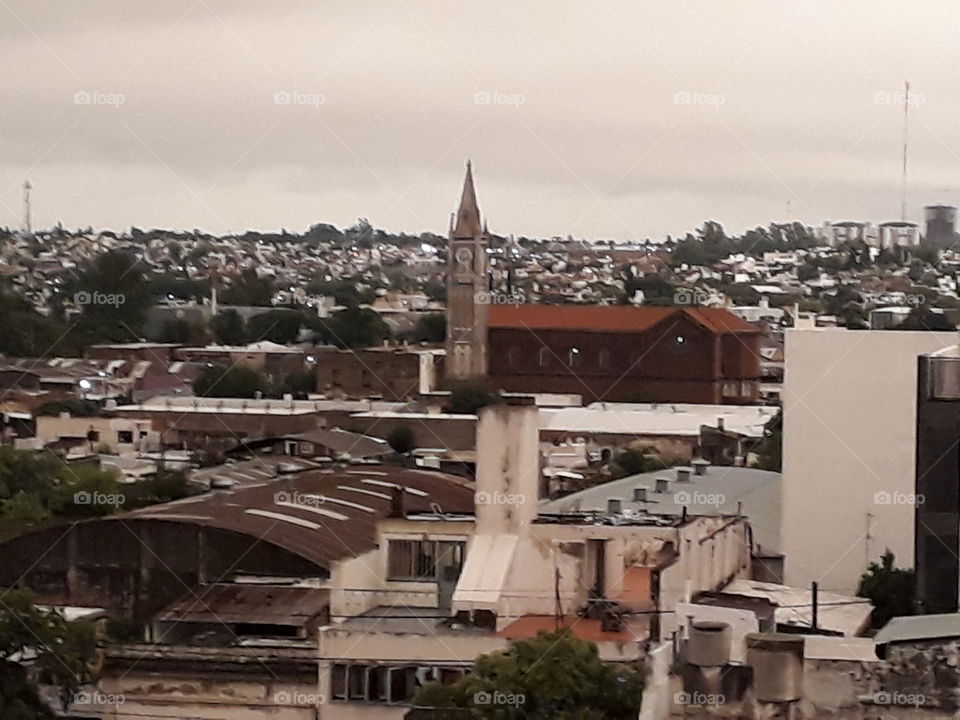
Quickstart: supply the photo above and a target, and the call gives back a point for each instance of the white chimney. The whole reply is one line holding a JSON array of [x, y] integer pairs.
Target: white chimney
[[614, 506]]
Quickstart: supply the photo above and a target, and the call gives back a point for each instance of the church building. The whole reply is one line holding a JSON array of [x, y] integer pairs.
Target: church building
[[616, 353]]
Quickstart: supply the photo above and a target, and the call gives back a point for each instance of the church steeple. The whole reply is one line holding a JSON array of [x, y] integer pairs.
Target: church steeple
[[468, 216], [467, 289]]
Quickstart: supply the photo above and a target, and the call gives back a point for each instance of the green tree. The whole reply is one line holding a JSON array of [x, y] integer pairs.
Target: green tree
[[228, 328], [430, 328], [770, 449], [468, 396], [113, 296], [402, 439], [354, 327], [27, 333], [181, 330], [279, 326], [249, 290], [237, 381], [889, 588], [86, 490], [63, 651], [554, 676], [631, 461]]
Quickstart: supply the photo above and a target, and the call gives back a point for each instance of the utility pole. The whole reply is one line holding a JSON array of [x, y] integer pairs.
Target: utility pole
[[27, 222], [903, 184]]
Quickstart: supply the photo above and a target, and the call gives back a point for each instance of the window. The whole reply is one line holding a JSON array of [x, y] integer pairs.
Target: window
[[424, 560], [383, 684], [124, 436], [513, 356], [543, 357], [604, 359], [338, 681], [574, 357]]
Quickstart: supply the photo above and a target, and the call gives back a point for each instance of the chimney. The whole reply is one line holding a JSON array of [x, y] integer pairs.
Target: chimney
[[683, 474], [614, 506], [700, 466], [508, 466], [719, 423], [663, 485], [640, 494]]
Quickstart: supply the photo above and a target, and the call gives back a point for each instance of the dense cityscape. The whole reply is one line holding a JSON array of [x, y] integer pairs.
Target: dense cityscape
[[347, 472]]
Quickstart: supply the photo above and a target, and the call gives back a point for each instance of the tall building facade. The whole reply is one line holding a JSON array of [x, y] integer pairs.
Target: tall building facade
[[937, 491], [467, 283]]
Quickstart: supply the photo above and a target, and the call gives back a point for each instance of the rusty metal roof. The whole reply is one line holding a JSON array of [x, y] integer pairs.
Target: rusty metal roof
[[242, 603], [321, 515]]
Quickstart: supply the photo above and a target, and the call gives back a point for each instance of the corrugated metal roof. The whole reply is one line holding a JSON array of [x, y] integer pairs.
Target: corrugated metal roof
[[248, 604], [319, 537]]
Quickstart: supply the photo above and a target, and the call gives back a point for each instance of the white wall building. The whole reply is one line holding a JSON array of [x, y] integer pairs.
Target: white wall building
[[848, 450]]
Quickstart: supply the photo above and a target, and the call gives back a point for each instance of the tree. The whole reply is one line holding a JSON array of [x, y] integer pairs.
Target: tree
[[402, 439], [228, 328], [770, 449], [889, 588], [354, 327], [555, 676], [279, 326], [468, 396], [113, 296], [181, 330], [237, 381], [63, 653], [26, 332], [631, 461], [431, 328], [249, 290]]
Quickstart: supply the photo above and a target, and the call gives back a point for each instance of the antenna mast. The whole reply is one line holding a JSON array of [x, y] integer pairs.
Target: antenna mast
[[903, 184]]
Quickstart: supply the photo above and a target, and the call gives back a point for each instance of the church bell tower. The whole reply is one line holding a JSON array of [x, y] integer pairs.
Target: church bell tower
[[467, 289]]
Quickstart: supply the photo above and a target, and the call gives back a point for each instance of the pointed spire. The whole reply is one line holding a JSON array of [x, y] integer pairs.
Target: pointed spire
[[468, 216]]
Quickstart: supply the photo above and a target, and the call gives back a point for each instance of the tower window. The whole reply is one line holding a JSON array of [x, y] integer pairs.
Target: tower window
[[574, 357], [513, 356], [543, 357]]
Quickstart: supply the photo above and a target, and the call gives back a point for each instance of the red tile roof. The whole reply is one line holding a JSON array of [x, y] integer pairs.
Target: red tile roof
[[606, 318]]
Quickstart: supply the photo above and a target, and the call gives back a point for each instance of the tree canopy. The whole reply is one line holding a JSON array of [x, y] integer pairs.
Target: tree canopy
[[554, 676], [63, 654]]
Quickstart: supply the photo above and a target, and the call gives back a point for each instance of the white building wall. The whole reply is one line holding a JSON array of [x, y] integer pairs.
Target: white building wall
[[849, 433]]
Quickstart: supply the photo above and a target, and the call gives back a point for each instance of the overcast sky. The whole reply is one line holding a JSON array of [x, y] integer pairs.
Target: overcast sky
[[598, 119]]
